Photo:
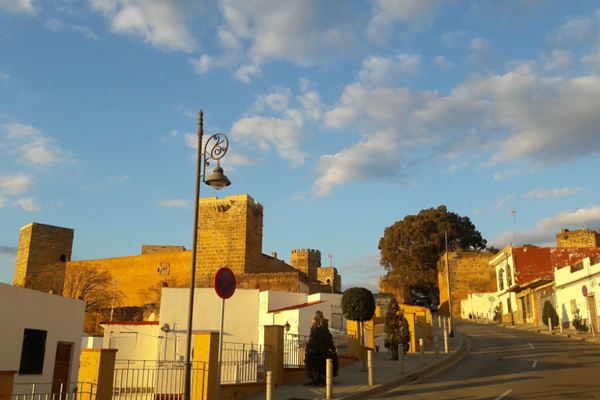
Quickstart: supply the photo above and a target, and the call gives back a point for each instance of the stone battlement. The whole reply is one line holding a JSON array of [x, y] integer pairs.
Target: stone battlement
[[310, 251]]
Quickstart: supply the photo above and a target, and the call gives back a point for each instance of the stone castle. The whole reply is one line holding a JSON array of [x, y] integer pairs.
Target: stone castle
[[230, 235]]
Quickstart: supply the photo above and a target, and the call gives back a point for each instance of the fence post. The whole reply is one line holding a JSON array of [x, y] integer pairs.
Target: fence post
[[97, 368], [422, 350], [270, 385], [560, 324], [206, 352], [550, 324], [329, 378], [274, 341], [437, 346], [7, 379], [370, 366], [446, 340]]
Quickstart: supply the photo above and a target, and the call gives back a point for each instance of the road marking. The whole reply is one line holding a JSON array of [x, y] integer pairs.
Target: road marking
[[503, 394], [534, 364], [530, 345]]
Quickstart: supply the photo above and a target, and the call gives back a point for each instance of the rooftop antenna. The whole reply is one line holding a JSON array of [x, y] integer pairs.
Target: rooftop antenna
[[514, 214], [165, 269], [330, 259]]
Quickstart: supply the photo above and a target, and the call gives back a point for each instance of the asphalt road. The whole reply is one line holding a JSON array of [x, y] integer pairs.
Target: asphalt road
[[506, 363]]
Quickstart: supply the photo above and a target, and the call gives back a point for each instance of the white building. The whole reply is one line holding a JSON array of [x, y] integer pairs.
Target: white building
[[571, 284], [41, 337], [478, 305]]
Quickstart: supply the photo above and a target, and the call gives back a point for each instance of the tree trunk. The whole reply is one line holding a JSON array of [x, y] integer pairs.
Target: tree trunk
[[362, 341]]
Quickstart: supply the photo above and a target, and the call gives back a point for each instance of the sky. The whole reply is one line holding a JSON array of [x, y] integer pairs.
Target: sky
[[343, 117]]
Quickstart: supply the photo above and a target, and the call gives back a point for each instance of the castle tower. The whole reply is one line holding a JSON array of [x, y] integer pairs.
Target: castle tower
[[578, 238], [229, 235], [40, 245], [307, 261]]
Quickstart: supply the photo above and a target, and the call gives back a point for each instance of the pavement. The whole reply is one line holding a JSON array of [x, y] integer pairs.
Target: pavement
[[353, 383], [569, 333]]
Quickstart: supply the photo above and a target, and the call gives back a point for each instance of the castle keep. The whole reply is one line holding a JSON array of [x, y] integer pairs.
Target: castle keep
[[229, 235]]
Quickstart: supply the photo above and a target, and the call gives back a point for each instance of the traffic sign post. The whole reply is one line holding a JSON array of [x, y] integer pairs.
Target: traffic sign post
[[225, 284], [584, 291]]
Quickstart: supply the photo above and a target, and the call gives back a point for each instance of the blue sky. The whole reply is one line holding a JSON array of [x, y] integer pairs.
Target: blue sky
[[343, 117]]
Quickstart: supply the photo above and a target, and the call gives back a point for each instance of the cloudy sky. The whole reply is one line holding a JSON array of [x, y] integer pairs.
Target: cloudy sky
[[343, 117]]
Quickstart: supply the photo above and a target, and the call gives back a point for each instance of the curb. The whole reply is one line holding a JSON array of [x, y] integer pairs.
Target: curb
[[546, 332], [412, 376]]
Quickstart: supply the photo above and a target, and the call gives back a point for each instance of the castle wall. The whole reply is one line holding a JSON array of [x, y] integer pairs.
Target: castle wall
[[153, 249], [229, 235], [392, 284], [578, 238], [470, 272], [307, 261], [330, 276], [40, 245], [139, 273], [281, 281]]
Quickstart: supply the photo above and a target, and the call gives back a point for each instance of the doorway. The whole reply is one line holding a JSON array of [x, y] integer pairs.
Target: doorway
[[591, 303], [62, 365]]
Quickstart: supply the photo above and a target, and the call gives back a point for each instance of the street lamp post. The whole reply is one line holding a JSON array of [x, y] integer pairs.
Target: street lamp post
[[218, 181]]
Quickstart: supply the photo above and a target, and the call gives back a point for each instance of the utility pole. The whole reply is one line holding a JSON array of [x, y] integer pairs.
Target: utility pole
[[112, 309], [514, 214]]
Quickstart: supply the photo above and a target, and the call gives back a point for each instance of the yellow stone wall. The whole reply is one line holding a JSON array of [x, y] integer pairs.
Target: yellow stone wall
[[40, 245], [578, 238], [307, 261], [469, 273]]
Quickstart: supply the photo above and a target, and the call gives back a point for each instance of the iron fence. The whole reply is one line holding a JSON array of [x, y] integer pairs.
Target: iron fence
[[294, 350], [54, 391], [242, 362]]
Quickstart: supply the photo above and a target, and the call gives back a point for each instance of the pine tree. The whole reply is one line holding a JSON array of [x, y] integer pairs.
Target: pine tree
[[319, 348], [391, 328], [404, 334], [549, 311]]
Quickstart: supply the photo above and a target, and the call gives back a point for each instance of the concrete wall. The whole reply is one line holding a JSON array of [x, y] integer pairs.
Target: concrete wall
[[569, 287], [135, 340], [478, 304], [241, 315], [61, 317]]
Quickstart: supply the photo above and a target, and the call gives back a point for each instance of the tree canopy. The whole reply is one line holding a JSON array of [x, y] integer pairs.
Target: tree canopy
[[358, 304], [412, 247]]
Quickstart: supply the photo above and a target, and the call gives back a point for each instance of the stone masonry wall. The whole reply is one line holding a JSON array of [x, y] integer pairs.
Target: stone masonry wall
[[392, 284], [153, 249], [578, 238], [40, 245], [469, 273], [307, 261], [325, 274], [229, 235], [283, 281]]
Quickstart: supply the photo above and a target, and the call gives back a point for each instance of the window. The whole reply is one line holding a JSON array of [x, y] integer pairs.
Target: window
[[508, 276], [501, 279], [63, 257], [33, 351]]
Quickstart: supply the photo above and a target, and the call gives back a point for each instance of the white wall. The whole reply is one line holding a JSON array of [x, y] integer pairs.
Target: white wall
[[91, 342], [61, 317], [240, 322], [134, 340], [569, 287], [481, 304]]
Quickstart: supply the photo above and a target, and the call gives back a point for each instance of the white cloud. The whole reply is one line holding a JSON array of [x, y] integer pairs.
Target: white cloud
[[480, 44], [558, 59], [479, 211], [376, 155], [173, 203], [8, 251], [27, 204], [544, 232], [3, 201], [363, 272], [574, 30], [32, 147], [279, 100], [16, 184], [191, 140], [443, 63], [263, 132], [19, 6], [386, 71], [56, 25], [504, 200], [411, 12], [554, 193], [160, 23]]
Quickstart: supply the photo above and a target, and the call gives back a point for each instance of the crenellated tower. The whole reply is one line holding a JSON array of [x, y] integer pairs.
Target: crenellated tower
[[307, 261]]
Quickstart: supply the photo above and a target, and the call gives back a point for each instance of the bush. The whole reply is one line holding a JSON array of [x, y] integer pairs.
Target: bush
[[497, 314], [319, 348], [579, 323], [391, 329], [549, 311]]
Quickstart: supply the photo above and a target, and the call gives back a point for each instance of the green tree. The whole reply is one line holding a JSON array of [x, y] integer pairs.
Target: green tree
[[549, 311], [319, 348], [358, 304], [412, 247], [391, 329], [405, 334]]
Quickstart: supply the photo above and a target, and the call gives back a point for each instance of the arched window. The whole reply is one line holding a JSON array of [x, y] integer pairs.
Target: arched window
[[501, 279], [63, 258]]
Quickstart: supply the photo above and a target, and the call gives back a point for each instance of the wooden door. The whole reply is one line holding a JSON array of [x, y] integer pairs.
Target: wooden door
[[62, 364], [591, 301]]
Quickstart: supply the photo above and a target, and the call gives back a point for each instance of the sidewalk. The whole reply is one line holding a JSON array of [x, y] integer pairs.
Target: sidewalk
[[567, 332], [352, 383]]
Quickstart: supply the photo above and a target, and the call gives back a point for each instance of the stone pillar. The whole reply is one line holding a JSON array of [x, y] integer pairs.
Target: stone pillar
[[96, 373], [7, 379], [274, 339], [205, 365]]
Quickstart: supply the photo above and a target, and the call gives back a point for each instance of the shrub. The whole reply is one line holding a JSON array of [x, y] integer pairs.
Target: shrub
[[319, 348], [579, 323], [391, 329], [549, 311]]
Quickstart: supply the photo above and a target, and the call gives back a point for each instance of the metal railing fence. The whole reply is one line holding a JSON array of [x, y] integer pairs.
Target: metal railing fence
[[294, 350], [54, 391], [242, 362]]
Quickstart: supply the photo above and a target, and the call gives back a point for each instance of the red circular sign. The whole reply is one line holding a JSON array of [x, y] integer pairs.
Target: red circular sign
[[225, 283], [584, 291]]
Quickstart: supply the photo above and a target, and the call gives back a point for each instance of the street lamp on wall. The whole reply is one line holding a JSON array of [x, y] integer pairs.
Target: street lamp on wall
[[215, 148]]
